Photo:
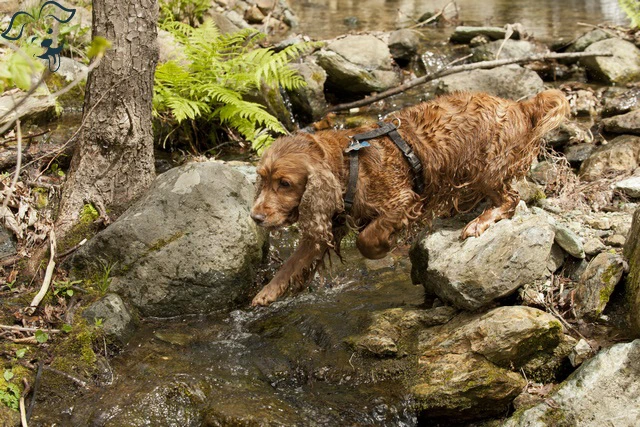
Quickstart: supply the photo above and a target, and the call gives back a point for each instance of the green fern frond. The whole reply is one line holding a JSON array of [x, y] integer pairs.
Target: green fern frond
[[219, 73]]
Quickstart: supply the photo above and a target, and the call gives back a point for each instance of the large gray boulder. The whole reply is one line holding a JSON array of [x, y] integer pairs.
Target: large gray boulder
[[621, 68], [473, 273], [358, 64], [310, 99], [621, 154], [632, 288], [603, 391], [511, 82], [187, 246]]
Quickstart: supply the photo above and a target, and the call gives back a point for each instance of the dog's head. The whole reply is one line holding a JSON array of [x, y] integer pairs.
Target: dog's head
[[295, 184]]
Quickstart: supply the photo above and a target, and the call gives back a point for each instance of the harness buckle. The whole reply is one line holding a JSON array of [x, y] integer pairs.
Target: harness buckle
[[356, 145]]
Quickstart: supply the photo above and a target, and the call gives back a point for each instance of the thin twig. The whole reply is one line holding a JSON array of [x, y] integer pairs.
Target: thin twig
[[48, 274], [460, 69], [76, 380], [6, 141], [70, 250], [24, 329], [23, 412]]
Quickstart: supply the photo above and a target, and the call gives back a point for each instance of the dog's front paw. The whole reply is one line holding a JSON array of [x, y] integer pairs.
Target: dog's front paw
[[471, 230], [266, 296]]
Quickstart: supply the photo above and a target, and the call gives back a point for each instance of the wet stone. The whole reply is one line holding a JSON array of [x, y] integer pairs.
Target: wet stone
[[597, 283]]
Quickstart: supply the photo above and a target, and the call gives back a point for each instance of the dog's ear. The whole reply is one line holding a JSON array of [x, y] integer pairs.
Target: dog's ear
[[322, 198]]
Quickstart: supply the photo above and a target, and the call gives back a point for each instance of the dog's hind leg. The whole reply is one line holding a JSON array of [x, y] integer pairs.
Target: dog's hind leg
[[375, 241], [504, 205]]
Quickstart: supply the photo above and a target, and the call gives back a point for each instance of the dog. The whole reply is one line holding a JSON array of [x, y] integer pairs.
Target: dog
[[471, 147]]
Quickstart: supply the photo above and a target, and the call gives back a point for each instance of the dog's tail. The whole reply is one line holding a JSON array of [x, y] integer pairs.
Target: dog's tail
[[547, 111]]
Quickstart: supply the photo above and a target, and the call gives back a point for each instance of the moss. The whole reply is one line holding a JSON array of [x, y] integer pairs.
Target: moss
[[88, 214], [556, 417], [161, 243], [317, 77], [42, 197], [75, 353]]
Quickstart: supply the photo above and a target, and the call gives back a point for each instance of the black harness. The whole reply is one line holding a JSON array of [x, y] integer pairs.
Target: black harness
[[359, 141]]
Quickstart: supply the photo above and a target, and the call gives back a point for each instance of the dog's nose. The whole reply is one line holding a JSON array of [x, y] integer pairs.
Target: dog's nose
[[258, 218]]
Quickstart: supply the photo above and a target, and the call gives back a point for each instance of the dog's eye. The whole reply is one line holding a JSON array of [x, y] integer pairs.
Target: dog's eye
[[285, 184]]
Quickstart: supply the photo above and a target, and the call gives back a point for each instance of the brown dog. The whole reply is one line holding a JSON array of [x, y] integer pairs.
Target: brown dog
[[471, 146]]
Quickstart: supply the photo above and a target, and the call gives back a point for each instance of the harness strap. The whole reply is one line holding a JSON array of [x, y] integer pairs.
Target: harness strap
[[358, 142]]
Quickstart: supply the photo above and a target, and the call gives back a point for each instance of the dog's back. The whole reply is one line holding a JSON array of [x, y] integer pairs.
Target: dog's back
[[473, 145]]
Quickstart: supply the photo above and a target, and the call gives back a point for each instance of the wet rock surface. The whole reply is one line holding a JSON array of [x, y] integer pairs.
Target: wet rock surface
[[622, 67], [188, 246], [597, 284], [475, 272], [603, 389], [512, 82], [621, 154], [632, 288]]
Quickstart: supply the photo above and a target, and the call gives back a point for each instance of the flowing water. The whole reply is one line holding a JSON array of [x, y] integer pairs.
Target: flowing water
[[290, 364], [547, 20]]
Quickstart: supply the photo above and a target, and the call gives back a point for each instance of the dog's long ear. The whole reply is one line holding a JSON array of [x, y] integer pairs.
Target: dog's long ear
[[322, 198]]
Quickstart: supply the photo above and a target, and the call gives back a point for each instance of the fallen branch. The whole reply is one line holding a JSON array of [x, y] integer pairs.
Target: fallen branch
[[48, 274], [23, 411], [460, 69], [9, 157], [76, 380], [23, 329]]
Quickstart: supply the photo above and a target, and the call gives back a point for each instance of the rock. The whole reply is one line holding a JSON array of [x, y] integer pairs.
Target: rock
[[632, 284], [545, 172], [508, 50], [466, 362], [254, 15], [629, 186], [358, 64], [576, 154], [593, 246], [70, 69], [569, 241], [622, 102], [615, 240], [266, 6], [581, 352], [597, 283], [473, 273], [236, 19], [603, 389], [403, 44], [187, 246], [625, 123], [588, 39], [169, 49], [389, 328], [309, 99], [569, 132], [583, 103], [464, 34], [621, 68], [39, 107], [9, 6], [575, 267], [556, 259], [621, 154], [117, 320], [529, 192], [7, 243], [511, 81]]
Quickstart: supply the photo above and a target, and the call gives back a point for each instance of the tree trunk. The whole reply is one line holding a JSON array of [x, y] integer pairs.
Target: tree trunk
[[113, 161]]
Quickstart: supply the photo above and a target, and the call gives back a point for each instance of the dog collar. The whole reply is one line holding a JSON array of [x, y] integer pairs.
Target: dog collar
[[359, 141]]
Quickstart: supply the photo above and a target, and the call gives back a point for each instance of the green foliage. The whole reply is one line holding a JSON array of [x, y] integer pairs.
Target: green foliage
[[103, 278], [10, 393], [41, 336], [190, 11], [218, 74], [88, 214], [98, 47], [21, 352], [632, 9], [18, 68], [66, 328], [64, 288]]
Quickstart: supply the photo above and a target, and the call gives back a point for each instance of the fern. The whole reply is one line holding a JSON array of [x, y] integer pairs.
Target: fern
[[219, 73], [632, 9]]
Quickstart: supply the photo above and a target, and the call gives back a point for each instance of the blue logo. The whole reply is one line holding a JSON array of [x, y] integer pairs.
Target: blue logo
[[49, 9]]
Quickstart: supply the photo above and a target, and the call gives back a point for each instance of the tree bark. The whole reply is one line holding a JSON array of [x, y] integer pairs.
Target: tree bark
[[113, 161]]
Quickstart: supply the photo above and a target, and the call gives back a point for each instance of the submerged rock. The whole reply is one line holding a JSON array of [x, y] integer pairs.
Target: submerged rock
[[603, 391], [358, 64], [621, 154], [473, 273], [597, 283], [632, 289], [187, 246], [511, 82], [622, 67]]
